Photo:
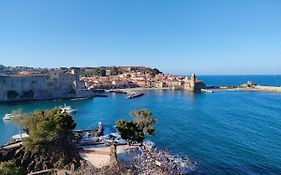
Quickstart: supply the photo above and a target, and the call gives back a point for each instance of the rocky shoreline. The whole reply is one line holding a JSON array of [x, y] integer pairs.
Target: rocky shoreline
[[36, 162], [143, 160], [105, 150], [152, 160]]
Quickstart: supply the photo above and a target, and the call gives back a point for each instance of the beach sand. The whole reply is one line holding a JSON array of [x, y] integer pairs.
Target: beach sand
[[100, 155]]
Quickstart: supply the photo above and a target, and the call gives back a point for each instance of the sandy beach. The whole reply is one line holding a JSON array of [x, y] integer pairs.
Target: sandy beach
[[99, 155]]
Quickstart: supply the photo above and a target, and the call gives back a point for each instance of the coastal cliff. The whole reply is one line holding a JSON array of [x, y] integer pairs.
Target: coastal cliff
[[44, 160]]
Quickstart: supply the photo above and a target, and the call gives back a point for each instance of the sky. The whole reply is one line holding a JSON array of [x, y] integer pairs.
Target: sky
[[207, 37]]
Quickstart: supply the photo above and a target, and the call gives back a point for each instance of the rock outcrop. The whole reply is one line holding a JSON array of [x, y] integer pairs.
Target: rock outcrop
[[31, 162]]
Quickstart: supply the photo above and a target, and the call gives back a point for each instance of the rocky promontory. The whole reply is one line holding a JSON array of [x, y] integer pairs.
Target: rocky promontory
[[31, 162]]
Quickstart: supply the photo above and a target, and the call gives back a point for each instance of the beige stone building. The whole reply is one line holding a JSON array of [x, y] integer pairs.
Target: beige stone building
[[57, 83]]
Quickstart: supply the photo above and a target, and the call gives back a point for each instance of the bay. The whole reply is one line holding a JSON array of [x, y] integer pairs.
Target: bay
[[226, 132]]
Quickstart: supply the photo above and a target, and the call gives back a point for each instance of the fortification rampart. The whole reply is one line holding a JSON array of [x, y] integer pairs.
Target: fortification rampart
[[55, 84]]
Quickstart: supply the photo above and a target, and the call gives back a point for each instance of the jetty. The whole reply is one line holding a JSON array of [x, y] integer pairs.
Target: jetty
[[118, 91], [268, 88], [248, 86], [253, 86], [134, 95], [130, 93]]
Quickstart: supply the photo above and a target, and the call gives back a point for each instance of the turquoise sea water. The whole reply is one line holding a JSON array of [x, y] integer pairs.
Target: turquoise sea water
[[226, 132]]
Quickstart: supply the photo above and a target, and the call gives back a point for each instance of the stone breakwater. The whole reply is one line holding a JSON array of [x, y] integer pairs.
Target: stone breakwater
[[245, 88], [268, 88]]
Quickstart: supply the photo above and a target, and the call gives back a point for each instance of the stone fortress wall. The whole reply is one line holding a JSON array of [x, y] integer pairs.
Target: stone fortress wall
[[57, 83]]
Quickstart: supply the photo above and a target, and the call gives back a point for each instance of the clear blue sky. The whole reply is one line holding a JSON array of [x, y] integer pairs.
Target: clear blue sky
[[176, 36]]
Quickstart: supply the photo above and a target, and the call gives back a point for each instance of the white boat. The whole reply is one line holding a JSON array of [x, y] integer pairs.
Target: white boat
[[67, 109], [10, 116], [19, 137]]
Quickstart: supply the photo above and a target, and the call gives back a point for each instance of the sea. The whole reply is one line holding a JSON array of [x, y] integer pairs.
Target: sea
[[227, 132]]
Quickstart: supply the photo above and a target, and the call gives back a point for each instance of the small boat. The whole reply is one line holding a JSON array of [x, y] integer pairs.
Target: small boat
[[19, 137], [10, 116], [67, 109], [79, 98], [207, 90]]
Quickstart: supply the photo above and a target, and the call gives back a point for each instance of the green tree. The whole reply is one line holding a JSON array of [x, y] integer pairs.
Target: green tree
[[102, 72], [152, 71], [143, 119], [8, 168], [114, 70], [50, 128], [130, 131], [141, 125]]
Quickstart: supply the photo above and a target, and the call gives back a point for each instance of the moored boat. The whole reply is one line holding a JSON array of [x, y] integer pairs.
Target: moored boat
[[19, 137], [10, 116], [68, 109]]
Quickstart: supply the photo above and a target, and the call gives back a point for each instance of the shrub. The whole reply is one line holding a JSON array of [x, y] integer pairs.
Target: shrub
[[141, 125], [8, 168], [47, 128]]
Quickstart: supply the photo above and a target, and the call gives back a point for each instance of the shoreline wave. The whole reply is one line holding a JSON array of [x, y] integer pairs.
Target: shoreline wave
[[149, 159]]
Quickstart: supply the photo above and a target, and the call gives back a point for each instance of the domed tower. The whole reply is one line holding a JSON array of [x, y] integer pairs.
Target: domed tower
[[193, 82]]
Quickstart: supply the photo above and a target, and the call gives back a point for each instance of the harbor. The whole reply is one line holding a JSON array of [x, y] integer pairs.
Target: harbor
[[193, 113], [142, 87]]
